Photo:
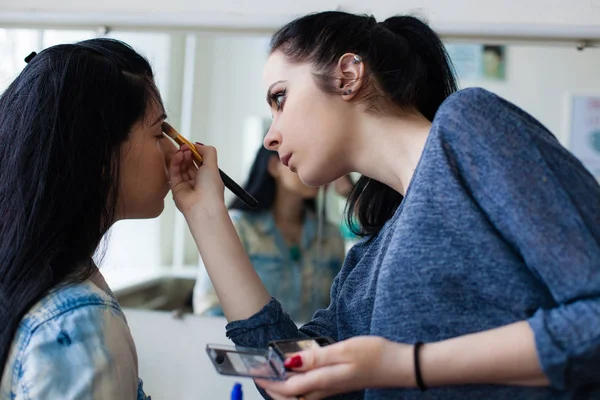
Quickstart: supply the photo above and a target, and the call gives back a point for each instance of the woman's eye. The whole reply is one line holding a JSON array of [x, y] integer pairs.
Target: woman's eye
[[279, 99]]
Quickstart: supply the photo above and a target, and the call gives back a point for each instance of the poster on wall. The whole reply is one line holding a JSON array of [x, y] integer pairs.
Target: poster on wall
[[478, 61], [585, 131]]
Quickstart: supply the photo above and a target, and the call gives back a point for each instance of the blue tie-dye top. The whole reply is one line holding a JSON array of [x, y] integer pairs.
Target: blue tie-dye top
[[73, 344]]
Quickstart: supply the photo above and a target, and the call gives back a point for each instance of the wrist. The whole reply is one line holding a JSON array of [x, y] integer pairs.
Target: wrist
[[397, 365], [206, 213], [417, 366]]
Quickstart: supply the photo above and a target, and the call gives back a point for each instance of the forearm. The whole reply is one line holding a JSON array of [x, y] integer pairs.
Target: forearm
[[240, 291], [505, 355]]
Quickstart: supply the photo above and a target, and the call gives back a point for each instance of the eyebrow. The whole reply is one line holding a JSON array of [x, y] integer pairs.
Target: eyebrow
[[269, 94], [161, 118]]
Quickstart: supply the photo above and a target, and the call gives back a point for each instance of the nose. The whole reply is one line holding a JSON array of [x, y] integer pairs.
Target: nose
[[272, 140]]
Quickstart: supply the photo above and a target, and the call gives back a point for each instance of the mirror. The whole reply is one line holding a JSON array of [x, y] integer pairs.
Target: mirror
[[211, 85]]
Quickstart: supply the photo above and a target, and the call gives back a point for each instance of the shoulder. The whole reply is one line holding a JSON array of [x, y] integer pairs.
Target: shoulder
[[237, 215], [70, 312], [71, 299], [76, 329], [252, 225], [479, 108], [248, 219], [467, 108], [472, 101], [475, 120]]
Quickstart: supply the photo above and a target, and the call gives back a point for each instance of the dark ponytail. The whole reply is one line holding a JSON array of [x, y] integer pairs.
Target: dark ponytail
[[408, 69], [426, 76]]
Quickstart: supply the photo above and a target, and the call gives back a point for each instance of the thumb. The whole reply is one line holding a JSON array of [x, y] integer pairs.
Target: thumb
[[316, 358], [209, 155], [209, 168]]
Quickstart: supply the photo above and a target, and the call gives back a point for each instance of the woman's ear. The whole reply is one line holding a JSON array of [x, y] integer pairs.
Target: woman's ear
[[351, 71]]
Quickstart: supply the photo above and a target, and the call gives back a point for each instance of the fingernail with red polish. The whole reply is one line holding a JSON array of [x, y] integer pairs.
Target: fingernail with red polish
[[294, 362], [200, 144]]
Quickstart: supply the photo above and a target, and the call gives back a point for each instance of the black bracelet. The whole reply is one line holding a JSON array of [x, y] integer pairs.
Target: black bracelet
[[418, 377]]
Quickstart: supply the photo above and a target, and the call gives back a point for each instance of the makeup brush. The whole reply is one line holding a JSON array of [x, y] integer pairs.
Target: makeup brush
[[227, 181]]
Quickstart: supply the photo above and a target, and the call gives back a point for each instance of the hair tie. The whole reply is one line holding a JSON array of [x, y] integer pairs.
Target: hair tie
[[30, 57]]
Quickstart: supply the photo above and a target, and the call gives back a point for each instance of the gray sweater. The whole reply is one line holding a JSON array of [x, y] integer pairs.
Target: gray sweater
[[499, 224]]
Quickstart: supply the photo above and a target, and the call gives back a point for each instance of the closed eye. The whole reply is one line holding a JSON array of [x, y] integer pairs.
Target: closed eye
[[160, 135]]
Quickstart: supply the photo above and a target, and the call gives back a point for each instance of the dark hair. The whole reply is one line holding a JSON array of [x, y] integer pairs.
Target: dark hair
[[407, 70], [62, 122], [262, 186]]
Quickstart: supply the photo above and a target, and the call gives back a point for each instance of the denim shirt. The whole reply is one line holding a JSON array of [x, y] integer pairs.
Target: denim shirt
[[73, 344], [301, 283]]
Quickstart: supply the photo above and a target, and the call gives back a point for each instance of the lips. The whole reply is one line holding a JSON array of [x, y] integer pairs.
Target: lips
[[285, 160]]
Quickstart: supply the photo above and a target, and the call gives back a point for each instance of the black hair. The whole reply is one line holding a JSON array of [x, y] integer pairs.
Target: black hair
[[62, 123], [408, 70]]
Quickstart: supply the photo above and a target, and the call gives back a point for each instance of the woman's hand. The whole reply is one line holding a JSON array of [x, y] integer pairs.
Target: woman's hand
[[199, 195], [354, 364], [196, 188]]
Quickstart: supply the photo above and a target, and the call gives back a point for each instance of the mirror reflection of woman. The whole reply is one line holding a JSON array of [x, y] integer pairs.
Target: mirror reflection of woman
[[295, 258]]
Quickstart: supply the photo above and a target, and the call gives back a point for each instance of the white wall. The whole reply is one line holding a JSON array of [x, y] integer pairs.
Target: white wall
[[227, 90], [236, 93], [272, 13], [538, 79]]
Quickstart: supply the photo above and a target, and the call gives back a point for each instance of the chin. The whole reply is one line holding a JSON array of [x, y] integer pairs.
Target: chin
[[317, 177], [153, 211], [159, 210], [147, 211], [312, 180]]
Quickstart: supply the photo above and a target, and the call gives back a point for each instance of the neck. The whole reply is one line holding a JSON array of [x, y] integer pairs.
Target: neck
[[388, 148], [287, 208]]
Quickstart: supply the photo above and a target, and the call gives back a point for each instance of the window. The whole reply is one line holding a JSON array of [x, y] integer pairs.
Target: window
[[15, 45]]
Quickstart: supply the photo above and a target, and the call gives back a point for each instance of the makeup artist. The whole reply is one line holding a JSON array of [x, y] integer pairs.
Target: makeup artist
[[479, 273]]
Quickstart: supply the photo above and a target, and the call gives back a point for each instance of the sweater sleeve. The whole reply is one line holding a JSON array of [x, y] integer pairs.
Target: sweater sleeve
[[272, 323], [546, 205]]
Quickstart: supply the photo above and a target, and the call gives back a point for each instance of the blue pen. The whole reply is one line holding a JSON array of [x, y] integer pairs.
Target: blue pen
[[236, 392]]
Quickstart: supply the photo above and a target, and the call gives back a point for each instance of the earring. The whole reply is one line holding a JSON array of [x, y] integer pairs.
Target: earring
[[347, 92], [357, 59]]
